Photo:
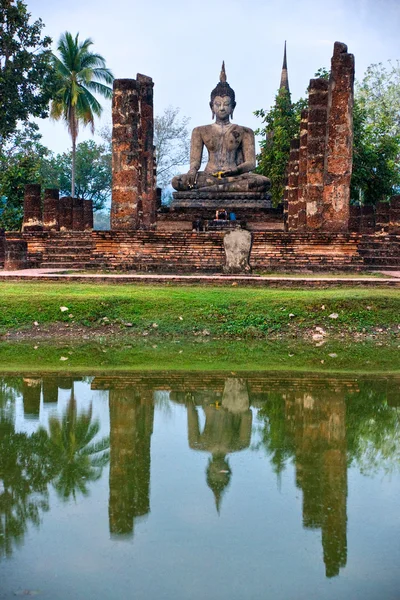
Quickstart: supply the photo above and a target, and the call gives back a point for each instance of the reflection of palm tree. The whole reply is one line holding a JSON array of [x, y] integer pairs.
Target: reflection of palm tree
[[23, 483], [75, 458]]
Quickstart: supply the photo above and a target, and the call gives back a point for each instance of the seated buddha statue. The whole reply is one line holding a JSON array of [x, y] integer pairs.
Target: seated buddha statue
[[231, 151]]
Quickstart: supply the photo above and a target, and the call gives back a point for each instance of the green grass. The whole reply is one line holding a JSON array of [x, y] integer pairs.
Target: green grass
[[199, 355], [184, 311]]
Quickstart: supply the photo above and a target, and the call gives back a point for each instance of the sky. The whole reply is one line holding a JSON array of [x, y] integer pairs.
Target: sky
[[181, 45]]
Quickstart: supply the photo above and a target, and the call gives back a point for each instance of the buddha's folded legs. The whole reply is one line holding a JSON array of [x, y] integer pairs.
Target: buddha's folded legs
[[208, 183]]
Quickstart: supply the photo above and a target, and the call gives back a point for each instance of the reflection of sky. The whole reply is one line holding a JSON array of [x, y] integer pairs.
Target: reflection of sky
[[84, 396], [256, 548]]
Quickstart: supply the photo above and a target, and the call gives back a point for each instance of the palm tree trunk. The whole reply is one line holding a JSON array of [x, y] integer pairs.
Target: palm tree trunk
[[74, 135], [73, 167]]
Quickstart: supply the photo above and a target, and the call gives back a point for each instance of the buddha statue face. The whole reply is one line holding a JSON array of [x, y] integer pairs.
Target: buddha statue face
[[222, 107]]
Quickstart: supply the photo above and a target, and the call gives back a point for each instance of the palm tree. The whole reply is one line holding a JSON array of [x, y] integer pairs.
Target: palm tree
[[80, 73]]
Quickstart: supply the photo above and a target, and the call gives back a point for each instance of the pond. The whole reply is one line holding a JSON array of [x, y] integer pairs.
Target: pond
[[193, 485]]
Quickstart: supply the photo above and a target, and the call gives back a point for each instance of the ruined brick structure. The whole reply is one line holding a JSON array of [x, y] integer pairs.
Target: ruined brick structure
[[33, 215], [320, 196], [51, 210], [133, 185]]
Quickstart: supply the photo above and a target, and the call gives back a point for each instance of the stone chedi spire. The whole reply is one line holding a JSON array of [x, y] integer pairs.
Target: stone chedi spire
[[284, 76]]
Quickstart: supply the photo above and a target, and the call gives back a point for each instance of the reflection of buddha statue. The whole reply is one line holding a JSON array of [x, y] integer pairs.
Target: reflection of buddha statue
[[227, 429], [231, 151]]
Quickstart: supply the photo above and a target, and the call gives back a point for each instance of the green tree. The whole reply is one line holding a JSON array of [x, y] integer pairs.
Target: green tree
[[26, 75], [80, 75], [376, 158], [21, 159], [92, 172], [280, 125]]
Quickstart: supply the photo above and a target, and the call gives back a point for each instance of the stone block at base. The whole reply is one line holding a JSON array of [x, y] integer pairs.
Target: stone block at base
[[237, 246]]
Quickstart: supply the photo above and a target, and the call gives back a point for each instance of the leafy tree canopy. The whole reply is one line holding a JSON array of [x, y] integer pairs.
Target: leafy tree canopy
[[26, 76], [280, 125]]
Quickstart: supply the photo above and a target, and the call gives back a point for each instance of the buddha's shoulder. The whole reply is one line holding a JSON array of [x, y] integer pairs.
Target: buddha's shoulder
[[243, 130], [202, 129]]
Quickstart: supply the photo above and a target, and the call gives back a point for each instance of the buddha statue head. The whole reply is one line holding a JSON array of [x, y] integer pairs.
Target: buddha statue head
[[222, 101]]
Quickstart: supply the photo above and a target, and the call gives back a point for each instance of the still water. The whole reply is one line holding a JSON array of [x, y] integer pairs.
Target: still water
[[201, 485]]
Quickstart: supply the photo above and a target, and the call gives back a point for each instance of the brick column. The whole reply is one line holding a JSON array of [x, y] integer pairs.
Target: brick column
[[394, 215], [292, 187], [382, 217], [77, 214], [88, 215], [133, 185], [33, 216], [51, 210], [316, 135], [65, 214], [339, 141], [147, 175], [302, 217]]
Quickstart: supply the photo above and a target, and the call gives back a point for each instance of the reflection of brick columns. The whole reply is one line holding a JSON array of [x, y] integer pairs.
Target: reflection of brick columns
[[50, 390], [339, 142], [131, 426], [33, 216], [31, 397], [318, 422], [316, 134], [51, 209], [133, 183]]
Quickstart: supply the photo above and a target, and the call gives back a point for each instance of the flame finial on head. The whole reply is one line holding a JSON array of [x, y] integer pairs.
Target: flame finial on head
[[222, 89], [222, 75]]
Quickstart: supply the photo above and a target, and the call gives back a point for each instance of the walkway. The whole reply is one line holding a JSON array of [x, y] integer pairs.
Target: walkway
[[382, 279]]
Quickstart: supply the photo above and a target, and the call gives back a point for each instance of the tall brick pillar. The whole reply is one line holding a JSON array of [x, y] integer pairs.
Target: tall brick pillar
[[33, 215], [302, 217], [339, 142], [65, 213], [316, 137], [147, 178], [133, 185], [51, 210], [292, 187]]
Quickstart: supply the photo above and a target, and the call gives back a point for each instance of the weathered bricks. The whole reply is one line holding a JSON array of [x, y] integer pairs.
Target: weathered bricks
[[33, 216], [77, 214], [65, 213], [339, 143], [51, 210], [133, 186], [292, 187], [316, 138], [394, 215], [302, 215], [88, 215], [382, 217], [326, 150]]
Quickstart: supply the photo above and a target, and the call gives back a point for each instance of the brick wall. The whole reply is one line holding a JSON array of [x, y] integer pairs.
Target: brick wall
[[186, 251]]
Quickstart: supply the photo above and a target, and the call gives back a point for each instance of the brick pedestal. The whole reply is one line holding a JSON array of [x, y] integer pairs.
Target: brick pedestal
[[88, 215], [16, 250], [394, 215]]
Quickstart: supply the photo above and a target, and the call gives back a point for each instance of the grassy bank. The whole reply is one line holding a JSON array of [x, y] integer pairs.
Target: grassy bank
[[226, 312], [200, 355]]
